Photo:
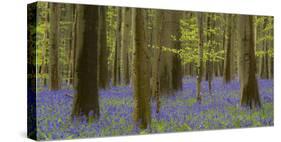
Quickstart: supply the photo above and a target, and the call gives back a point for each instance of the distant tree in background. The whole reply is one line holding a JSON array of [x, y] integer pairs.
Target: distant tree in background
[[200, 55]]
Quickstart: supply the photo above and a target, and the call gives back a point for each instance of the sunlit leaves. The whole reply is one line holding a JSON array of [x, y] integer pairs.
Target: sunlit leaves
[[264, 38], [261, 53], [189, 41]]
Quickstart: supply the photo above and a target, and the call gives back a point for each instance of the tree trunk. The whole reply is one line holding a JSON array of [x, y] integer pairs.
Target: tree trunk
[[125, 44], [74, 44], [116, 72], [157, 31], [247, 63], [166, 82], [227, 56], [54, 46], [176, 61], [264, 61], [271, 59], [140, 73], [209, 62], [44, 48], [200, 55], [103, 65], [69, 18], [86, 99]]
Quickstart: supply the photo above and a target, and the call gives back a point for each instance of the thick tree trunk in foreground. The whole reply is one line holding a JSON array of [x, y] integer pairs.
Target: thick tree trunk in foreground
[[247, 63], [54, 46], [141, 86], [86, 99]]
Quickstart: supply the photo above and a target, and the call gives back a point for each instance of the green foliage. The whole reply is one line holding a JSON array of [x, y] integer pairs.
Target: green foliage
[[191, 101], [189, 41], [264, 35], [42, 39]]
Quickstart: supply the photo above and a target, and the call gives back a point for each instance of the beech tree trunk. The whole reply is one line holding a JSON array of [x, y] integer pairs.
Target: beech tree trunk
[[247, 62], [200, 55], [209, 63], [86, 99], [176, 61], [116, 69], [44, 66], [141, 86], [103, 51], [54, 46], [227, 56], [125, 44], [157, 28], [74, 44]]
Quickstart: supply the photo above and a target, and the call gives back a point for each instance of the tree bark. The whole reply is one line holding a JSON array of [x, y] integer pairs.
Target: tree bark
[[209, 62], [157, 31], [44, 65], [227, 56], [141, 87], [176, 61], [54, 46], [69, 19], [116, 72], [247, 63], [125, 44], [86, 99], [103, 65], [200, 55], [74, 44]]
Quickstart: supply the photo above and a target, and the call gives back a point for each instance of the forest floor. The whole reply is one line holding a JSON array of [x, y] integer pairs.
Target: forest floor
[[179, 112]]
